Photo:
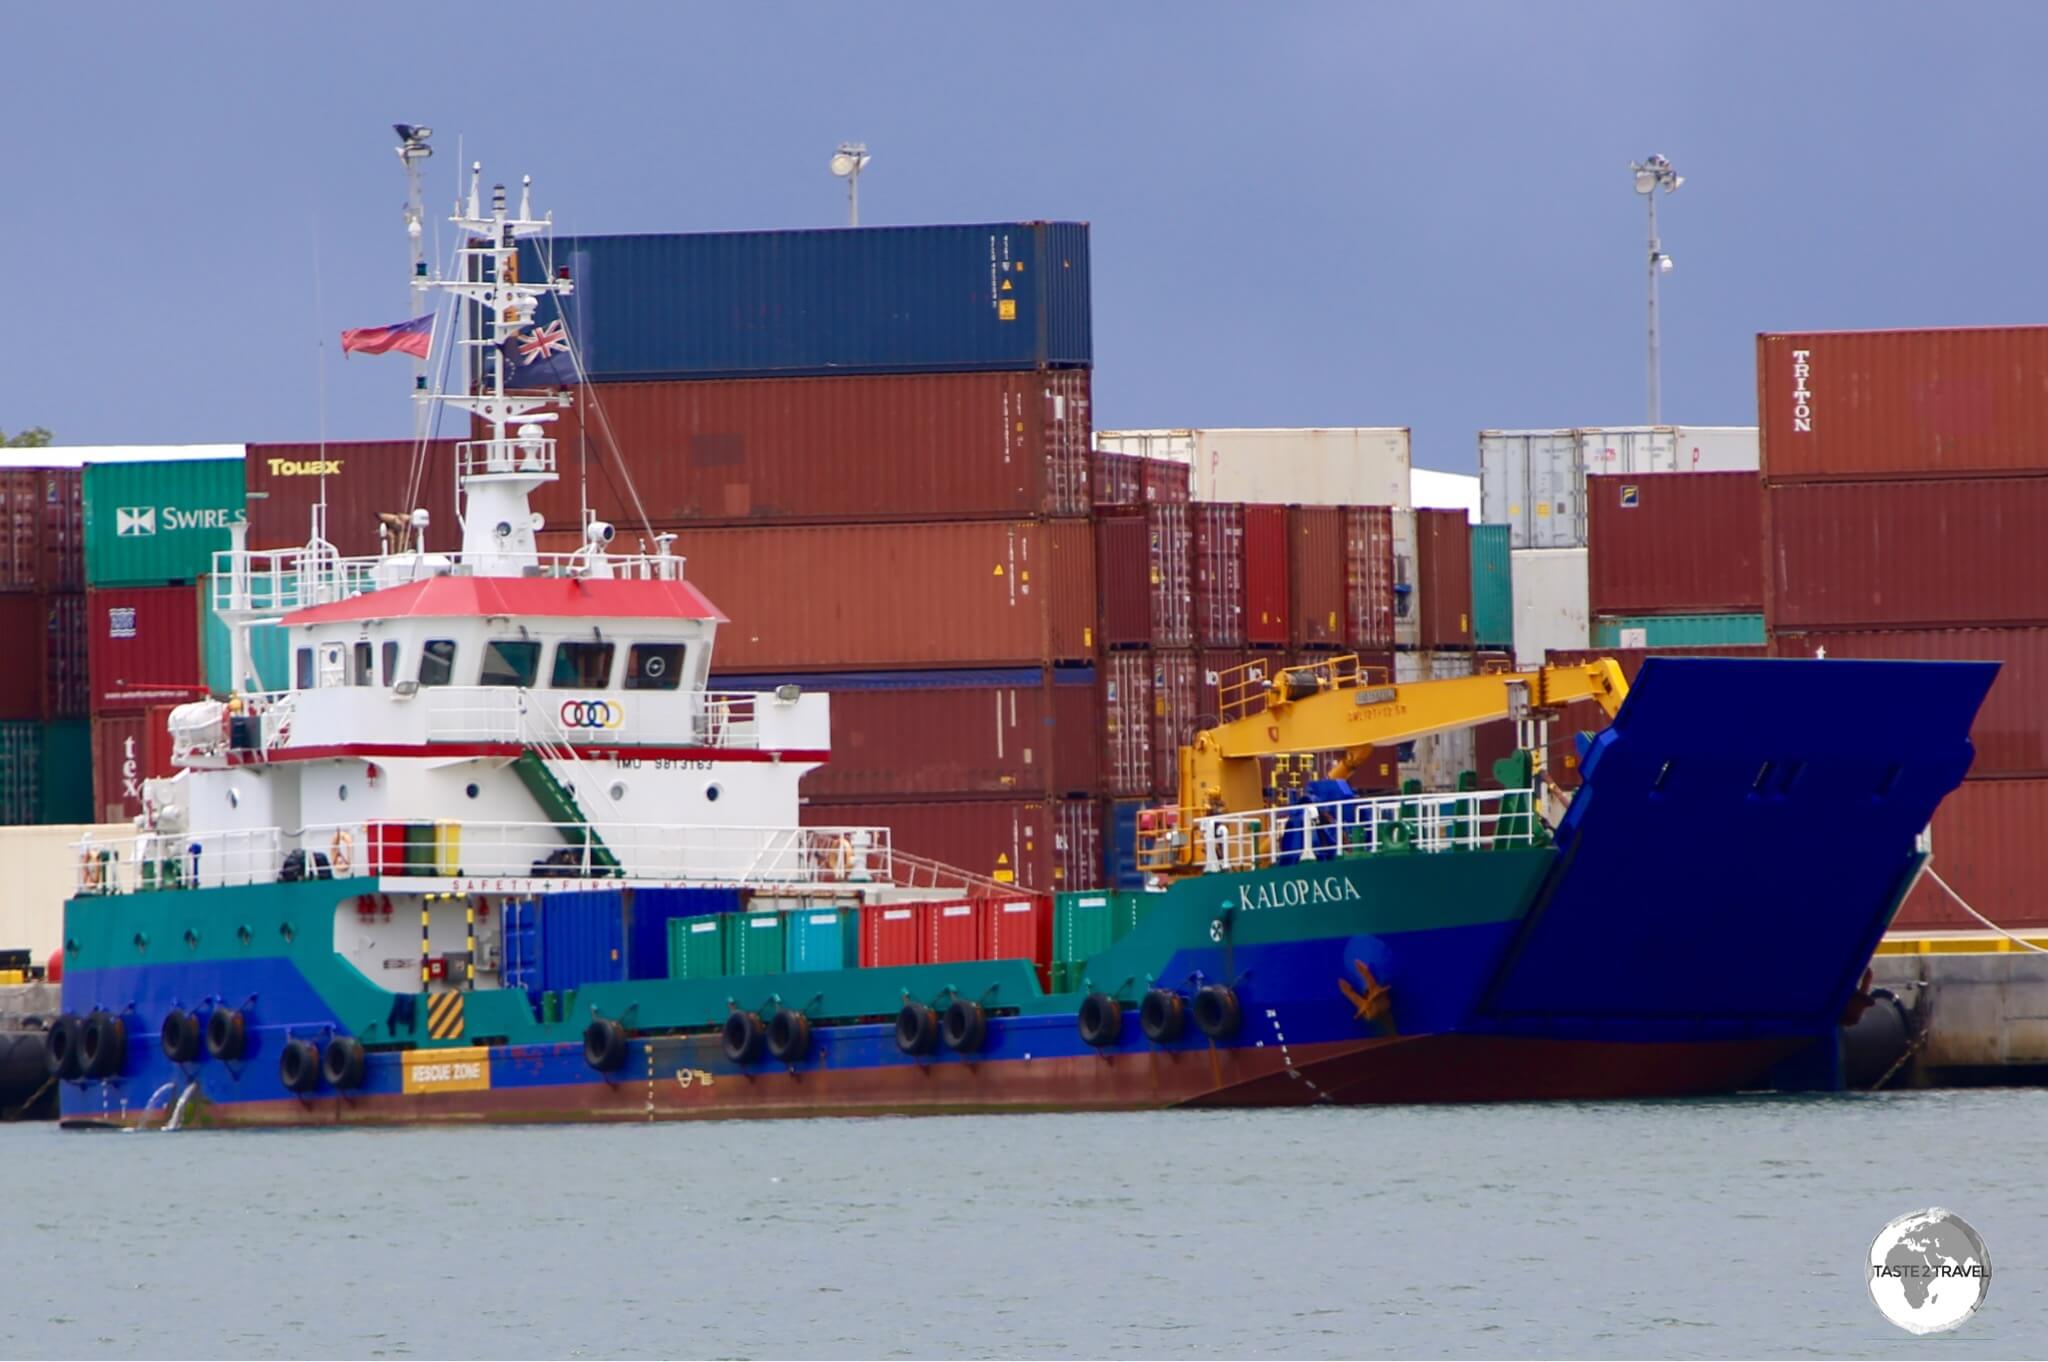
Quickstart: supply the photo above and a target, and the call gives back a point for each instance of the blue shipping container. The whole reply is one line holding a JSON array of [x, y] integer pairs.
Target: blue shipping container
[[857, 300], [1120, 847], [654, 909], [581, 940]]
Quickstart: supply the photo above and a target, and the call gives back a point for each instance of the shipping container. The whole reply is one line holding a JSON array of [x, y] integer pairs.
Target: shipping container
[[1115, 479], [143, 646], [952, 931], [696, 946], [1166, 480], [1268, 546], [1120, 845], [369, 486], [1178, 710], [1315, 576], [819, 450], [67, 690], [1144, 568], [1084, 925], [850, 597], [1676, 631], [1321, 466], [1675, 544], [1019, 929], [1407, 593], [1562, 759], [1439, 759], [1534, 481], [1036, 844], [21, 770], [269, 651], [941, 299], [2011, 731], [1127, 723], [63, 529], [161, 522], [120, 752], [582, 939], [64, 784], [1911, 554], [23, 686], [1550, 602], [754, 944], [822, 938], [1169, 546], [649, 913], [889, 936], [42, 529], [1443, 576], [1989, 849], [1493, 588], [1957, 402], [1219, 585], [1368, 578]]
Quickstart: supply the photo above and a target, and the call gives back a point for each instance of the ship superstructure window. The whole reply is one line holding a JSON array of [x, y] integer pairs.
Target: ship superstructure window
[[654, 666], [510, 662], [359, 675], [391, 662], [302, 669], [583, 666], [437, 662]]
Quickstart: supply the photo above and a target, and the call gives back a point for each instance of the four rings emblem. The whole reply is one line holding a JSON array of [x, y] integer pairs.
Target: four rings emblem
[[592, 714]]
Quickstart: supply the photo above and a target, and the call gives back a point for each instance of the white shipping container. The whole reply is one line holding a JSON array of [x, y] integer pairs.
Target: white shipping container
[[1407, 586], [1534, 481], [1550, 602], [1436, 760], [1313, 466]]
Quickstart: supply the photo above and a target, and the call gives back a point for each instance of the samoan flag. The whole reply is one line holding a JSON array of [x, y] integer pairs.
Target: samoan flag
[[539, 357], [412, 337]]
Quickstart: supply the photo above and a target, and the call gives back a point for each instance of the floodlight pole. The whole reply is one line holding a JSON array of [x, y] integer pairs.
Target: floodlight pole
[[1650, 176], [1655, 259]]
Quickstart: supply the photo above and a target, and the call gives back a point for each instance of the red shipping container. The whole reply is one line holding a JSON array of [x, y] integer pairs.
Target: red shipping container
[[1315, 574], [1561, 759], [66, 691], [1127, 724], [143, 646], [1368, 578], [1443, 578], [364, 480], [849, 597], [1675, 543], [1177, 712], [889, 935], [1019, 929], [1166, 480], [1122, 574], [1903, 404], [873, 447], [1116, 479], [951, 931], [21, 528], [2011, 732], [1217, 542], [63, 530], [1989, 848], [1268, 545], [121, 751], [1170, 569], [1036, 844], [22, 686], [1907, 554]]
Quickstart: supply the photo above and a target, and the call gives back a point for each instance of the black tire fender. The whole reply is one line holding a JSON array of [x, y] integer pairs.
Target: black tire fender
[[103, 1045], [1162, 1016], [1101, 1020], [1217, 1011], [917, 1029], [298, 1066], [184, 1040], [604, 1045], [60, 1048], [344, 1063], [965, 1026], [789, 1035], [227, 1033], [744, 1037]]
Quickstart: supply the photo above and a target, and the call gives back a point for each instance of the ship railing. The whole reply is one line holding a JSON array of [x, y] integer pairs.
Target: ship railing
[[255, 586], [513, 454], [1468, 820], [487, 851]]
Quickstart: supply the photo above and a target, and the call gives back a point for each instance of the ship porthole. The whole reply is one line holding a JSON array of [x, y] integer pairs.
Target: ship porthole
[[285, 930], [472, 791], [618, 791], [712, 792], [234, 799], [342, 794], [244, 935]]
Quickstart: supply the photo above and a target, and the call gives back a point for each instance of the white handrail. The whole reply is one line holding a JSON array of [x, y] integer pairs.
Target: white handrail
[[1469, 820]]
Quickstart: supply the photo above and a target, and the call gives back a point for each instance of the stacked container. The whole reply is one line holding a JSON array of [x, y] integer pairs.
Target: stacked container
[[1905, 486], [43, 706], [1675, 559]]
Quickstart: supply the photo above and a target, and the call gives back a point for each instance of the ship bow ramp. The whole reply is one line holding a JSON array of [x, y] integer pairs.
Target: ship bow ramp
[[1745, 830]]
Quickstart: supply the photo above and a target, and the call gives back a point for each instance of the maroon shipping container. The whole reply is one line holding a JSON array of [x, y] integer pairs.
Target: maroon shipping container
[[1169, 543], [1368, 578], [1443, 578], [63, 529], [1675, 543], [951, 931], [985, 446], [1903, 404], [23, 685], [1045, 844], [849, 597], [1315, 575], [889, 935], [1177, 711], [364, 481], [1144, 569], [1906, 554], [1116, 479], [1166, 480], [143, 646], [67, 692], [1989, 848], [1268, 545], [2011, 731], [974, 738], [1127, 726], [1218, 551], [1561, 758], [121, 753], [1019, 929], [42, 529]]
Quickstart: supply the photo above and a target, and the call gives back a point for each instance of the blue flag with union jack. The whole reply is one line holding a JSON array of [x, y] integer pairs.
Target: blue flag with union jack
[[539, 357]]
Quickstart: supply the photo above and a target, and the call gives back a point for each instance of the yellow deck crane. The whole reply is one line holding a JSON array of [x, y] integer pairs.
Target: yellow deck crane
[[1340, 706]]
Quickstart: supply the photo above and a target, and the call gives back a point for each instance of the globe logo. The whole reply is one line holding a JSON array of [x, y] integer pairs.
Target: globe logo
[[1929, 1271]]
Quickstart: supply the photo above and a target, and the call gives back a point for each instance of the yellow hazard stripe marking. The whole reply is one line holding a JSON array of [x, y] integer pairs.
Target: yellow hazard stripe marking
[[1984, 944], [444, 1016]]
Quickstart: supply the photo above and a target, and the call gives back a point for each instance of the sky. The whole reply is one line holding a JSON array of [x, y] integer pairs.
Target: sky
[[1312, 214]]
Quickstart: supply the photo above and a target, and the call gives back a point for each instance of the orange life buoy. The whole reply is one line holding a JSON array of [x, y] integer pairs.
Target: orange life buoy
[[340, 852]]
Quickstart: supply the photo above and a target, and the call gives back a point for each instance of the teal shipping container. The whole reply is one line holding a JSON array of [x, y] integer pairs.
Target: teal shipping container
[[1084, 924], [696, 946], [158, 523], [822, 938], [1493, 594], [267, 651], [64, 774], [1678, 631], [754, 944]]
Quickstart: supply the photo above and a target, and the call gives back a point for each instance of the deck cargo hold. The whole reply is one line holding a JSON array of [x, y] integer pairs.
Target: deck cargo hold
[[1675, 544]]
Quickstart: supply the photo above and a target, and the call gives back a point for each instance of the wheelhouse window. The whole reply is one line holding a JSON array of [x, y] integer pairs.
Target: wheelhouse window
[[302, 669], [437, 662], [510, 662], [654, 666], [359, 675], [582, 666], [390, 663]]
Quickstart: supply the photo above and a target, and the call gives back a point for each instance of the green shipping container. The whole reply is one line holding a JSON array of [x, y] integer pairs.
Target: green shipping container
[[696, 946], [1677, 631], [822, 938], [158, 523], [65, 775], [1493, 593], [754, 944], [1085, 924], [267, 649]]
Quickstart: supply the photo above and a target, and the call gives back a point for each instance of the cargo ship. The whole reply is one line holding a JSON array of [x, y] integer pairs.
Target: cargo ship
[[500, 851]]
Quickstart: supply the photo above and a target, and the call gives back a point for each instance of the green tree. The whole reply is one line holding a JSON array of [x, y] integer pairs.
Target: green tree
[[35, 437]]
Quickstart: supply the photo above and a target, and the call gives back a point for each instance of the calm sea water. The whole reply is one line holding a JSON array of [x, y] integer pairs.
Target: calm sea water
[[1704, 1228]]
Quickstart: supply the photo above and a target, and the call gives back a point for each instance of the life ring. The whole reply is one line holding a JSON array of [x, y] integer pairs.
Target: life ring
[[1162, 1016], [343, 1064], [1101, 1020], [227, 1033], [917, 1030], [103, 1045], [91, 872], [744, 1037], [789, 1035], [182, 1036], [340, 852], [840, 863], [604, 1045], [966, 1026], [1217, 1011], [298, 1066]]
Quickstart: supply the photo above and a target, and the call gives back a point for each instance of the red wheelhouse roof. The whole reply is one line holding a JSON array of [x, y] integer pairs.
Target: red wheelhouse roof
[[520, 597]]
